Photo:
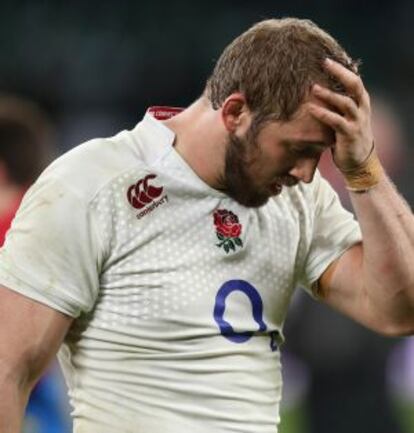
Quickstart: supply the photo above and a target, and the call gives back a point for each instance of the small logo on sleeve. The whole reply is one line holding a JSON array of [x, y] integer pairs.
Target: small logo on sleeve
[[228, 230], [143, 195]]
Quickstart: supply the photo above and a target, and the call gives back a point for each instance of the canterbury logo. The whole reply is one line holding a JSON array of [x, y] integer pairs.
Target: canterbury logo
[[142, 193]]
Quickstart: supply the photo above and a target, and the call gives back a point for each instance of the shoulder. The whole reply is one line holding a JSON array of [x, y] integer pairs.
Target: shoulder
[[89, 167]]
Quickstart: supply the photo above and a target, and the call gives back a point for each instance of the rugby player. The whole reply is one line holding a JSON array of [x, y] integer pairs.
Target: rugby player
[[160, 262]]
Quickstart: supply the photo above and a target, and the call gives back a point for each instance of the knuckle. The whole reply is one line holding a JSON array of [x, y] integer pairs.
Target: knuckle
[[356, 84], [349, 103], [338, 122], [356, 129]]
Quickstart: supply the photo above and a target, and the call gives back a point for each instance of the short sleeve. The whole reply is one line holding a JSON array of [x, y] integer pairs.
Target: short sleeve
[[334, 231], [52, 252]]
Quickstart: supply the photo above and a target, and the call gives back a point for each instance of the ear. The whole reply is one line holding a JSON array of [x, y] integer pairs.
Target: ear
[[235, 114]]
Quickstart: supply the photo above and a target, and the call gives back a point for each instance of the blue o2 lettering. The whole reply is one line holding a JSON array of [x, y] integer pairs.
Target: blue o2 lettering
[[257, 308]]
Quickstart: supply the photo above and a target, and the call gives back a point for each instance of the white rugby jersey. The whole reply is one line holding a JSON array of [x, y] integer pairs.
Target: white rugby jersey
[[178, 292]]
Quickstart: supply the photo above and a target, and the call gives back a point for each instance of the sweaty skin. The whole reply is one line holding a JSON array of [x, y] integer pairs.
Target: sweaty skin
[[372, 282]]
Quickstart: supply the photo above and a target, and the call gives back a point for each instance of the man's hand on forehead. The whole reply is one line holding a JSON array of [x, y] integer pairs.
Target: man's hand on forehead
[[348, 115]]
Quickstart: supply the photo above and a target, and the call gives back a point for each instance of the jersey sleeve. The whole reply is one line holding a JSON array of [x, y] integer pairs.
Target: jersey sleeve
[[334, 230], [52, 252]]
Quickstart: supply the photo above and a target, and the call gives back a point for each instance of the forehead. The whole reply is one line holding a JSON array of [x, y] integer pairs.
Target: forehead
[[302, 127]]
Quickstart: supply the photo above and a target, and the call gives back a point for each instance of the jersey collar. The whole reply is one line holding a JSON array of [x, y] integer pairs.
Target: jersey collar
[[162, 137], [160, 112], [157, 135]]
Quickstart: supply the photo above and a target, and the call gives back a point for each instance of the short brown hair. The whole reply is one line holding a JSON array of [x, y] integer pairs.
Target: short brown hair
[[274, 64]]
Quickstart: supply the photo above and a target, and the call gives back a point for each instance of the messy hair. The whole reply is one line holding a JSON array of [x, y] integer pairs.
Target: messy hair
[[274, 64]]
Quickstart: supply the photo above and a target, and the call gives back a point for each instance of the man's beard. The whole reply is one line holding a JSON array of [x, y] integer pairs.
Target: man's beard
[[237, 181]]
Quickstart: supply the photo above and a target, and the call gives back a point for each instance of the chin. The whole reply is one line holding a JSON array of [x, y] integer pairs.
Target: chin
[[249, 194]]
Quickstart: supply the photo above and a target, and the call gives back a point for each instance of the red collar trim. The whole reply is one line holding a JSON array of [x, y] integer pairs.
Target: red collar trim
[[164, 113]]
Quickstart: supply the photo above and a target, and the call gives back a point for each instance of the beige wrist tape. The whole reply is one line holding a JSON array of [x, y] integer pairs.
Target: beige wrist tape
[[365, 176]]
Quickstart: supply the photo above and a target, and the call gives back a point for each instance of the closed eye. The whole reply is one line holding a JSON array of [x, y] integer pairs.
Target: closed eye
[[307, 149], [308, 152]]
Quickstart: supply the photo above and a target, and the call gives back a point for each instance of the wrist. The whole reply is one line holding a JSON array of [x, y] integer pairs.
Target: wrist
[[366, 175]]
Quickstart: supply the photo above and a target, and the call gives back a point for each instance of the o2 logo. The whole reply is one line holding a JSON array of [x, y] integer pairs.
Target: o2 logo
[[226, 329]]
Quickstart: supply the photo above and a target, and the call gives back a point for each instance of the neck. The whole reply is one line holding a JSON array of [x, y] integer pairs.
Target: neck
[[200, 140]]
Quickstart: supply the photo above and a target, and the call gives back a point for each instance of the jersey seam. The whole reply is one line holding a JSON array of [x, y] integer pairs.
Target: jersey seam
[[28, 289]]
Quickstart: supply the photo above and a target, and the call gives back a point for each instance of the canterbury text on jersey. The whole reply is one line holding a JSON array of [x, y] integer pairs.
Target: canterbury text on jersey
[[179, 292]]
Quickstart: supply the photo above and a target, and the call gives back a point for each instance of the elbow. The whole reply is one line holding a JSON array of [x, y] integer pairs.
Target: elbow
[[403, 327], [397, 331], [397, 317]]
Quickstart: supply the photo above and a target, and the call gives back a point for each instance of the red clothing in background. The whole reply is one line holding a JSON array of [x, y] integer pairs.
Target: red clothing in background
[[6, 219]]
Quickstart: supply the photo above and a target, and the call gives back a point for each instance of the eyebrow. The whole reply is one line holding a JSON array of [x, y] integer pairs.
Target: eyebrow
[[315, 144]]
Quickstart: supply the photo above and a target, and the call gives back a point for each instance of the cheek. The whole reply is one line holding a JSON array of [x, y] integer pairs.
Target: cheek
[[270, 165]]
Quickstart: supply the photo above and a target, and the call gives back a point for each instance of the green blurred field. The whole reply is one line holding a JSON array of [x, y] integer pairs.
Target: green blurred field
[[294, 419]]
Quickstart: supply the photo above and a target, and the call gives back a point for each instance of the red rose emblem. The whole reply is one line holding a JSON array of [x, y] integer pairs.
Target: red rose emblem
[[228, 229]]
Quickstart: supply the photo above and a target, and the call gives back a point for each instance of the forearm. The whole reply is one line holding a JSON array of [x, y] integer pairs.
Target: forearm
[[387, 226], [30, 335], [373, 283], [13, 400]]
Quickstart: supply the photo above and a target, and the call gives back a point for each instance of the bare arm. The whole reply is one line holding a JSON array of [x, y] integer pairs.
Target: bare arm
[[372, 282], [30, 335]]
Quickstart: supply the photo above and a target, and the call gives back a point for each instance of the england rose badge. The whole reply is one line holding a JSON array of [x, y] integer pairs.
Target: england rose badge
[[228, 230]]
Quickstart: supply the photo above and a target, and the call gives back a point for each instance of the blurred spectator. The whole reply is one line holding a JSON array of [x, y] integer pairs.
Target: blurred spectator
[[26, 138], [25, 149], [347, 389]]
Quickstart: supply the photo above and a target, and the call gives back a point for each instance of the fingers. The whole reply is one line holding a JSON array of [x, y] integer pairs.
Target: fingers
[[330, 118], [352, 82], [346, 114], [344, 104]]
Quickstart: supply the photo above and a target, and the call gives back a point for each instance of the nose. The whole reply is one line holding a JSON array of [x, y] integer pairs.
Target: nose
[[304, 169]]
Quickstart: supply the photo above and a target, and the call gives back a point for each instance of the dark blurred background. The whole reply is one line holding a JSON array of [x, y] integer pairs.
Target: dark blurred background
[[94, 67]]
